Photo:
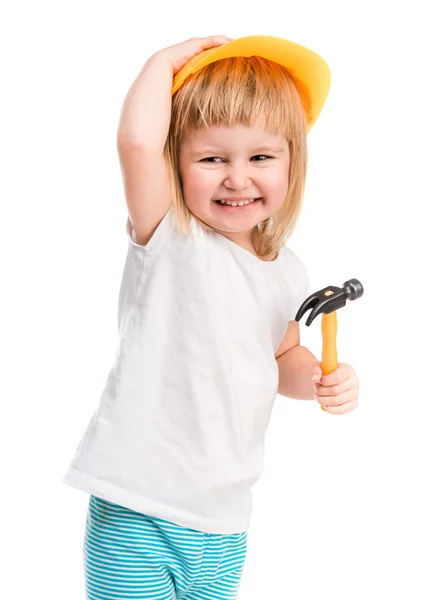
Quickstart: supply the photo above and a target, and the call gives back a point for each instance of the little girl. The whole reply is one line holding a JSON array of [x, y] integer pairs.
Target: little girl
[[212, 143]]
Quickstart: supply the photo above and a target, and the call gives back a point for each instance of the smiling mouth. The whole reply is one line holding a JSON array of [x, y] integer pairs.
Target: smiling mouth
[[231, 207]]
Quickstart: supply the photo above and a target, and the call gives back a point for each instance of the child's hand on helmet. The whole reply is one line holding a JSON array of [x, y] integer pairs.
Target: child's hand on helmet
[[180, 54]]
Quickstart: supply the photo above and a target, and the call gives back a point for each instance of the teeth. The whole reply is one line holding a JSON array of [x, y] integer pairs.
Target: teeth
[[241, 203]]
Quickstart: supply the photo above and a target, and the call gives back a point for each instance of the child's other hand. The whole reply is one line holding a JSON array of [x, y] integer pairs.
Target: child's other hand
[[337, 392], [180, 54]]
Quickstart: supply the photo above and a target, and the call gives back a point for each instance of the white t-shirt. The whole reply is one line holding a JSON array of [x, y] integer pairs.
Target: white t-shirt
[[180, 426]]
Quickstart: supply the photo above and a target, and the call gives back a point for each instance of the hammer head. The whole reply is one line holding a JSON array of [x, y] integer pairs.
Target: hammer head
[[329, 299]]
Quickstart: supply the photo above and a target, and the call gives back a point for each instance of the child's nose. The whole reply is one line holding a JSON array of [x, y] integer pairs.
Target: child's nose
[[237, 180]]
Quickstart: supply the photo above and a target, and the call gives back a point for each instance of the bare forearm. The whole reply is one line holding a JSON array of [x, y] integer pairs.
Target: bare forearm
[[146, 111], [295, 368]]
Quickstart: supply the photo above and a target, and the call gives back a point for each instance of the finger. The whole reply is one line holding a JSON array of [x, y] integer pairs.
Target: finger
[[202, 44], [222, 37], [218, 37], [181, 53], [343, 409], [334, 390], [336, 400], [340, 374], [212, 40]]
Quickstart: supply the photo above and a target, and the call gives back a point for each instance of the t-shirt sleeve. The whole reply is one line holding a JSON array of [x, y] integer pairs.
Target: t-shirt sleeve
[[130, 231], [162, 229]]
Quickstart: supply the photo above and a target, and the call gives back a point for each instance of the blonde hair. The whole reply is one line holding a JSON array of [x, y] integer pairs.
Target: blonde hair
[[244, 90]]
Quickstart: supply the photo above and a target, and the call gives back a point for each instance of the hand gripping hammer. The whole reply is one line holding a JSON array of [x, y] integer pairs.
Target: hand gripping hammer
[[326, 302]]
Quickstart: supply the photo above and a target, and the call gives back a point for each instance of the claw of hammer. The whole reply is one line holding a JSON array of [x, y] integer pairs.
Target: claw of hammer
[[326, 302], [329, 299]]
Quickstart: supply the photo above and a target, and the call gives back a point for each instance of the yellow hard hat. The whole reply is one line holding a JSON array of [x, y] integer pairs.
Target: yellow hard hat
[[306, 65]]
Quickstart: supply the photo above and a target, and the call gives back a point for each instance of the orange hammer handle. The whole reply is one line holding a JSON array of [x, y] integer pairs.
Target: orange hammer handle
[[329, 353], [329, 334]]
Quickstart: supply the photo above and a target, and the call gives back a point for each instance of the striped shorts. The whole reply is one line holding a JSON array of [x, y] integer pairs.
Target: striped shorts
[[130, 555]]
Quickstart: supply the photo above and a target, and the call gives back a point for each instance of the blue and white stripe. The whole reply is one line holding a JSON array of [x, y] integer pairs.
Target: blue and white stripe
[[129, 555]]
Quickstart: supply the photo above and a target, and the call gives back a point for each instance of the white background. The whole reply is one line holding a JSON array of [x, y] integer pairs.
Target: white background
[[347, 507]]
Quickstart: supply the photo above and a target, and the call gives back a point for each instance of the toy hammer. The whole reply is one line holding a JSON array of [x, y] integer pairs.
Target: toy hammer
[[326, 302]]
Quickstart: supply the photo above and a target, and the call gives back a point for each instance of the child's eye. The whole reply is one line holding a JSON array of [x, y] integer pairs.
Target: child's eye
[[213, 157], [260, 156], [209, 158]]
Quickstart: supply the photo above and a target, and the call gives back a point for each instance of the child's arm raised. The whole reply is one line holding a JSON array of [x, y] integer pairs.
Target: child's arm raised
[[143, 129]]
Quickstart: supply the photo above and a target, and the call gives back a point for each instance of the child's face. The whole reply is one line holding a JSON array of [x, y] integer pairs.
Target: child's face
[[227, 162]]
